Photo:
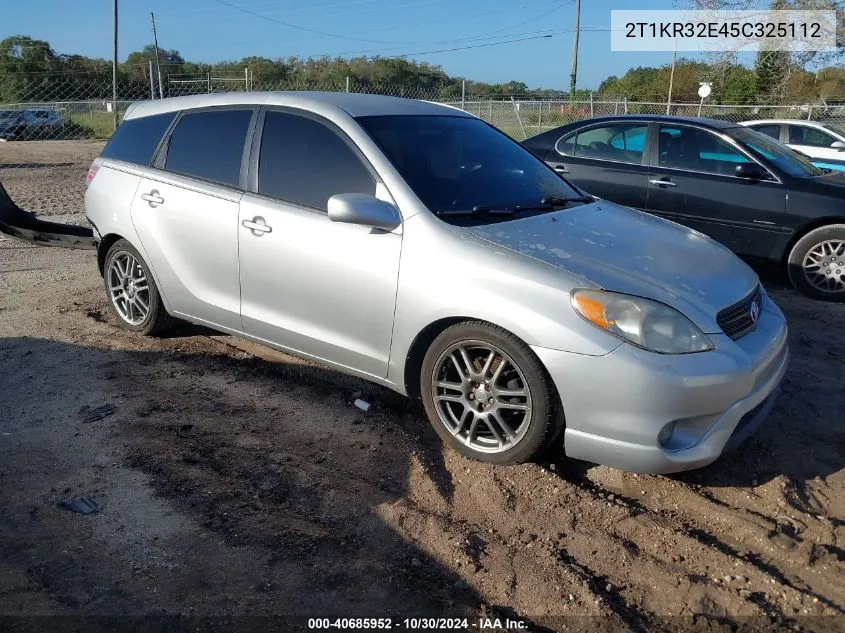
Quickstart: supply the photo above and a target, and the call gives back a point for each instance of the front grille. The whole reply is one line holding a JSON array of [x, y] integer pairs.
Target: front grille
[[740, 318]]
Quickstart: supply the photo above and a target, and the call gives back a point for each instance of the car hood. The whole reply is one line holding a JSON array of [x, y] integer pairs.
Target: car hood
[[628, 251], [835, 178]]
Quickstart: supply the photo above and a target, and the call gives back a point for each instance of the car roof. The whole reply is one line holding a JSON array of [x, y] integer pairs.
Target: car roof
[[354, 104], [661, 118], [803, 122]]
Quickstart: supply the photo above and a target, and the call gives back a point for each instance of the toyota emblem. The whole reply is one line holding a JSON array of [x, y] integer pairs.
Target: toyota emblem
[[754, 311]]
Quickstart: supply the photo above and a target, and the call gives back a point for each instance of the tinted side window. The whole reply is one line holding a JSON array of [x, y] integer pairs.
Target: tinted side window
[[768, 130], [697, 150], [209, 145], [136, 140], [566, 145], [304, 161], [620, 142], [800, 135]]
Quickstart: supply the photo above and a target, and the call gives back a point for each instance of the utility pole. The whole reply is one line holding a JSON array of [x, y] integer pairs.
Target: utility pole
[[114, 67], [672, 78], [573, 75], [158, 61]]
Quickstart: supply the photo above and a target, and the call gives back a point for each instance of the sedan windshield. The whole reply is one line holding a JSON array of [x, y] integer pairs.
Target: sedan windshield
[[462, 167], [840, 130], [774, 152]]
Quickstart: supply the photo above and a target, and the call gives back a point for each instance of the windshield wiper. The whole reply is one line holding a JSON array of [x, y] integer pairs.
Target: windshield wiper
[[562, 202], [548, 203], [479, 209]]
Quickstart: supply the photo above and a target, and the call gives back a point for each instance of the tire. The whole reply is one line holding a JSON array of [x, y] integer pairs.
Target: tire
[[472, 414], [816, 264], [129, 287]]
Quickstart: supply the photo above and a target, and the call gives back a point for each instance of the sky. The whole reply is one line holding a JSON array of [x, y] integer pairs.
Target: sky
[[424, 30]]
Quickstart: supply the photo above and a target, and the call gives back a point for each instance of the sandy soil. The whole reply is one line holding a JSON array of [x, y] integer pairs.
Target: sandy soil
[[237, 480]]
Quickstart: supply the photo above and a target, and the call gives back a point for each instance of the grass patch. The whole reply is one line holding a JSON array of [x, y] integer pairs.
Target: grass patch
[[99, 125]]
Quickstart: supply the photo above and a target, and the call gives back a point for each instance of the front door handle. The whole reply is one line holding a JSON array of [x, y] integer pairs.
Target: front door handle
[[663, 182], [561, 169], [257, 226], [153, 198]]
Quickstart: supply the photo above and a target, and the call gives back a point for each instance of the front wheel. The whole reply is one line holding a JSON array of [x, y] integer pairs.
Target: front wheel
[[132, 293], [816, 264], [487, 395]]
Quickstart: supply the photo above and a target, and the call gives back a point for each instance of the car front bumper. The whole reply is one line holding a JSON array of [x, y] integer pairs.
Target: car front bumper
[[621, 407]]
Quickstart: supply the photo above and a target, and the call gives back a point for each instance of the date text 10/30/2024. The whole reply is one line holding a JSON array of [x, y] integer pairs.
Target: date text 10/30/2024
[[410, 624]]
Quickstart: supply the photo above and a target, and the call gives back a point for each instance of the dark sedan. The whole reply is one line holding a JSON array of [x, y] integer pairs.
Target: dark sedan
[[742, 188]]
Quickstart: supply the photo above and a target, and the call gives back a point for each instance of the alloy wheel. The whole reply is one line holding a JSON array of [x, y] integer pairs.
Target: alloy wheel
[[129, 289], [481, 396], [824, 266]]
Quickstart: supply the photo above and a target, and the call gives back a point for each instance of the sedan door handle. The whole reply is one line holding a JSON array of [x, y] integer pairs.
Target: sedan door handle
[[561, 169], [663, 182], [257, 225], [153, 198]]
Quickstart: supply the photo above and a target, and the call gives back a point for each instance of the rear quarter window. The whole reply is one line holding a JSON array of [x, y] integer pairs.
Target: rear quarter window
[[135, 141]]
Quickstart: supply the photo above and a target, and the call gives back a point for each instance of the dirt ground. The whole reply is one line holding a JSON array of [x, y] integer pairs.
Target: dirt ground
[[235, 480]]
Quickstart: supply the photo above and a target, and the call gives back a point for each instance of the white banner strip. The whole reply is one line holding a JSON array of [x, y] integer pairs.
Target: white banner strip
[[720, 31]]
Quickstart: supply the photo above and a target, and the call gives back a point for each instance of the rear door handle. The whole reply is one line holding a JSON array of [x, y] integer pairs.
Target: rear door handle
[[153, 198], [663, 182], [257, 225], [561, 169]]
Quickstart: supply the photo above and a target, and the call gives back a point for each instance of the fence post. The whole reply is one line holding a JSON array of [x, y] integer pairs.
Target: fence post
[[347, 83], [152, 83], [591, 104], [625, 101], [463, 94], [246, 78], [810, 113], [209, 81], [518, 118], [540, 119]]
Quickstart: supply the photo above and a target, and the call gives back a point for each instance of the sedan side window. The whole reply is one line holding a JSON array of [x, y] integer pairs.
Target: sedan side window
[[697, 150], [768, 130], [802, 135], [621, 142], [306, 162]]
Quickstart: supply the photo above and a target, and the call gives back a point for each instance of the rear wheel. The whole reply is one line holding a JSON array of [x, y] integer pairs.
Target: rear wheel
[[816, 263], [132, 293], [487, 395]]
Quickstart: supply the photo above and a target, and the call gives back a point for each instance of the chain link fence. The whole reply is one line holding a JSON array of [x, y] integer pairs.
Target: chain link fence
[[49, 137]]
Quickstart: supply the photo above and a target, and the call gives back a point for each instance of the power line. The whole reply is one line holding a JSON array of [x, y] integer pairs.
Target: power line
[[528, 21], [297, 27], [444, 50]]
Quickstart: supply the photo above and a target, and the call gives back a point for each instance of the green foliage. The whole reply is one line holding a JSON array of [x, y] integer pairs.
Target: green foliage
[[31, 71]]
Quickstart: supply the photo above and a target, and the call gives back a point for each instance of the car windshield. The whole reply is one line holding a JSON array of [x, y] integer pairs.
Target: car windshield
[[460, 166], [775, 153], [838, 129], [9, 115]]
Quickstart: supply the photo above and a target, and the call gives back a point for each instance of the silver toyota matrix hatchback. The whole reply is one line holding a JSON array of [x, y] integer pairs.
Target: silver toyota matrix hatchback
[[416, 246]]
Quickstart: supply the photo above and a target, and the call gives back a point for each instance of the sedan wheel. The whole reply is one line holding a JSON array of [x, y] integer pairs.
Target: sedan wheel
[[824, 266], [816, 264], [487, 395]]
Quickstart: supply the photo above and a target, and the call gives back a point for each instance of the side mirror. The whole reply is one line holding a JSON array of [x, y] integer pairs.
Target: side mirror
[[750, 171], [363, 209], [839, 145]]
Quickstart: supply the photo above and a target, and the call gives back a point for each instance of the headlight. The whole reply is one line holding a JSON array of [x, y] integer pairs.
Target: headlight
[[648, 324]]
